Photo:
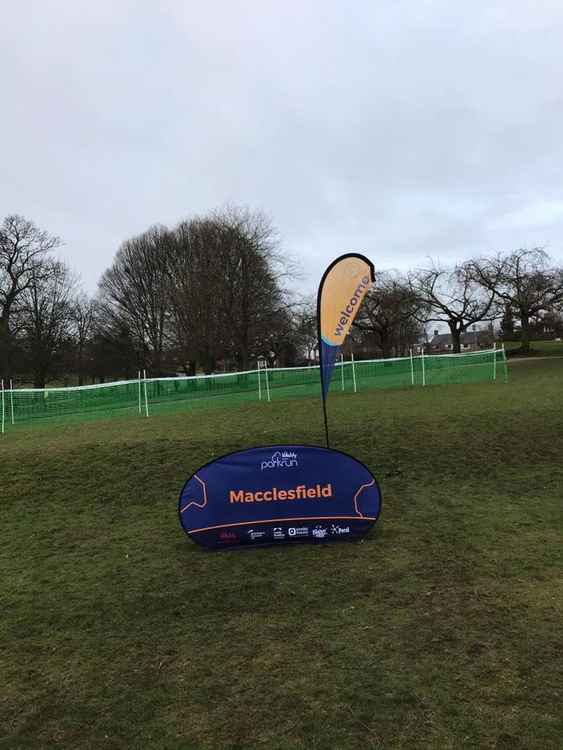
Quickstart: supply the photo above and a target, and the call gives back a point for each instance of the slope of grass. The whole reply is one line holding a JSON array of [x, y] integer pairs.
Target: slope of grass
[[538, 348], [441, 630]]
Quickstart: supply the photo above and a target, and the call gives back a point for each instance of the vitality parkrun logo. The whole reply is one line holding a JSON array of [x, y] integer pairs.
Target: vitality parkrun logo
[[280, 460]]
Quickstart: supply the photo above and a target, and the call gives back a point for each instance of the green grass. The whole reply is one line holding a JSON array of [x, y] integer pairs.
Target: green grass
[[539, 348], [442, 629]]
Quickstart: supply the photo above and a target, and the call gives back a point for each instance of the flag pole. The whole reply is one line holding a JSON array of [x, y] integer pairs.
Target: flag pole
[[326, 422], [321, 371]]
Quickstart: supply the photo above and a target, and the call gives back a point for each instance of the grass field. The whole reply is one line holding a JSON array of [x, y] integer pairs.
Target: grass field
[[442, 629], [540, 348]]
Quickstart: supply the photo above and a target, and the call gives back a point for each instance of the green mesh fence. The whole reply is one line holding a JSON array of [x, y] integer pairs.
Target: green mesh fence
[[159, 395]]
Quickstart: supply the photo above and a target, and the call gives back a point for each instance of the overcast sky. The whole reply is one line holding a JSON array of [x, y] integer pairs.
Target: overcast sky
[[400, 129]]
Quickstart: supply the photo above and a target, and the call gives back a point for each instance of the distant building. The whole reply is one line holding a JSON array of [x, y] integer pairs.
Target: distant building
[[470, 341]]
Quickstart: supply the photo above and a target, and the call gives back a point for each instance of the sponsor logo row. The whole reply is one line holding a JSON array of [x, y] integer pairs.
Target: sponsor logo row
[[279, 533]]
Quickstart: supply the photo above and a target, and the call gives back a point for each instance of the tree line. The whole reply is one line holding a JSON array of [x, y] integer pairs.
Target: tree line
[[215, 293]]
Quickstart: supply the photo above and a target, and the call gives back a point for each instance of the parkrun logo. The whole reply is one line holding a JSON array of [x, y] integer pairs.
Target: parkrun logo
[[280, 460], [297, 493], [348, 311]]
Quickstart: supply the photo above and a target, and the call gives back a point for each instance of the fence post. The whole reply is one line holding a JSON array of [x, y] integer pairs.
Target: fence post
[[267, 380], [12, 400], [342, 369], [139, 380], [495, 360], [354, 372], [423, 367], [412, 367], [146, 397], [259, 381], [3, 418], [505, 364]]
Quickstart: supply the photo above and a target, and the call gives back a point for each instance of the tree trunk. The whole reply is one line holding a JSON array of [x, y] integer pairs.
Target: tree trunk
[[385, 341], [157, 363], [244, 357], [4, 348], [456, 339], [39, 379], [525, 338], [208, 363], [80, 365]]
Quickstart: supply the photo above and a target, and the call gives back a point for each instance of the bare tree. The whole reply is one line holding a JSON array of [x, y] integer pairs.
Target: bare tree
[[225, 288], [83, 317], [391, 314], [135, 292], [455, 298], [113, 351], [253, 283], [201, 303], [524, 282], [23, 249], [305, 323], [280, 341], [46, 310]]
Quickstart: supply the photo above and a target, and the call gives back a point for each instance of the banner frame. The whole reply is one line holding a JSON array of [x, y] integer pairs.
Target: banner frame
[[274, 445]]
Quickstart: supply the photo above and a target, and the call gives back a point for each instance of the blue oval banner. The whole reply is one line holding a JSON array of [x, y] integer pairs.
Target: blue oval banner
[[279, 494]]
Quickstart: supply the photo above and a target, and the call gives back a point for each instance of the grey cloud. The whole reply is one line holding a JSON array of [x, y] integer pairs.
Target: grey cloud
[[401, 129]]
